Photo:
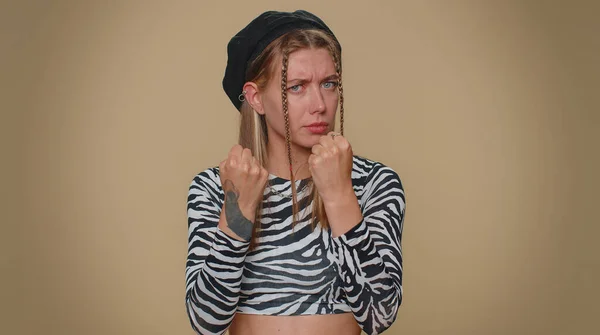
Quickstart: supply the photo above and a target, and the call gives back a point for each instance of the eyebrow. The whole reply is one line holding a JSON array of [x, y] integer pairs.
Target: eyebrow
[[303, 80], [332, 77]]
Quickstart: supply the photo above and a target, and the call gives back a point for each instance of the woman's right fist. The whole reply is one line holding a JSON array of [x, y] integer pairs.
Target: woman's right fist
[[243, 180]]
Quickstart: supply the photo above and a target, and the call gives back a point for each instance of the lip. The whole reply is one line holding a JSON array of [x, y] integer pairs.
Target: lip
[[317, 124], [318, 127]]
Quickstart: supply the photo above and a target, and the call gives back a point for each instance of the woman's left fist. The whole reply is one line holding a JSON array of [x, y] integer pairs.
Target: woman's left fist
[[331, 167]]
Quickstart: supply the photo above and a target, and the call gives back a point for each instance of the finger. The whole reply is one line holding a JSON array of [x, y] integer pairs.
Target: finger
[[235, 151], [234, 155], [336, 137], [264, 175], [317, 149], [245, 166], [326, 141], [246, 156], [254, 166], [254, 170], [313, 161], [330, 145]]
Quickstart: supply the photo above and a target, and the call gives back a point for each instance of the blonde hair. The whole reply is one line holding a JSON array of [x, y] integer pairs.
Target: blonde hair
[[253, 129]]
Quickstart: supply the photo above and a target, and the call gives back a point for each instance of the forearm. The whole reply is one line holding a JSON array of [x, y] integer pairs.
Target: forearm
[[219, 230], [213, 295], [373, 291], [343, 212], [213, 292], [371, 276]]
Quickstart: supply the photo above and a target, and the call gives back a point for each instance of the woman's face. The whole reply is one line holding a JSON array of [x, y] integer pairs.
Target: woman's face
[[312, 97]]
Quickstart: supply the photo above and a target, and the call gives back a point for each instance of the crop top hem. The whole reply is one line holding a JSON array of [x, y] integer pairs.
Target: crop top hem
[[306, 309]]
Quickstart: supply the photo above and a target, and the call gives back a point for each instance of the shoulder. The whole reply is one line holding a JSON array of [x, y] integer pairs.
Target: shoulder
[[366, 169], [377, 183], [208, 180]]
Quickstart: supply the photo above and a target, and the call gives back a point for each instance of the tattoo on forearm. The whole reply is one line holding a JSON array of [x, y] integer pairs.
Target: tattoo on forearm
[[233, 215]]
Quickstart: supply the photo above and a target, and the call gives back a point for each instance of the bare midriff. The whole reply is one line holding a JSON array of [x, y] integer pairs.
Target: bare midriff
[[330, 324]]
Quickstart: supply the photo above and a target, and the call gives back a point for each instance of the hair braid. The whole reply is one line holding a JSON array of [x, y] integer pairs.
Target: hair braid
[[338, 70], [284, 103], [288, 140]]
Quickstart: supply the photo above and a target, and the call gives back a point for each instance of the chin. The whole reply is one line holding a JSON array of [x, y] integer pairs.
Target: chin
[[307, 145], [307, 139], [308, 142]]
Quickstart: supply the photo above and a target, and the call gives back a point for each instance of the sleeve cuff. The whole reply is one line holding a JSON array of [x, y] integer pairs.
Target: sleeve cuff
[[354, 236], [347, 248], [228, 243]]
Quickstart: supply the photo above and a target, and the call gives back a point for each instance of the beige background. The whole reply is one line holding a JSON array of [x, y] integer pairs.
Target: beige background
[[488, 110]]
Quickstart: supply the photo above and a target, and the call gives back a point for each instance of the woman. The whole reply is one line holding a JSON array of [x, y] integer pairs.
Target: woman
[[292, 233]]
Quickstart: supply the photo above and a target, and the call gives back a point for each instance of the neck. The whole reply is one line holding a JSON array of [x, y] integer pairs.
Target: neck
[[278, 163]]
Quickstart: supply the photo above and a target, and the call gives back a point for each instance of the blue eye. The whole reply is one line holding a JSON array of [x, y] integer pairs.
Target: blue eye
[[295, 88], [330, 84]]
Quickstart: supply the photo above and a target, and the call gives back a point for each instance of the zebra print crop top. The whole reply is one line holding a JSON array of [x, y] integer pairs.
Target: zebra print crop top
[[299, 272]]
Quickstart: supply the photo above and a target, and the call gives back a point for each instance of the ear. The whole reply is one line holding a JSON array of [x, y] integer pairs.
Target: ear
[[253, 97]]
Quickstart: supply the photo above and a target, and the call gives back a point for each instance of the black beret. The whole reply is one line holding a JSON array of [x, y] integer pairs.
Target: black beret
[[248, 44]]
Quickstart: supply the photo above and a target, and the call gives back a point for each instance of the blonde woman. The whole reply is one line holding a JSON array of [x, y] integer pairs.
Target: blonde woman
[[292, 233]]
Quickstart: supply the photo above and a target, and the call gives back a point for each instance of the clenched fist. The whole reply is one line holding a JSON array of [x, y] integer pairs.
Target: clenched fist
[[243, 180], [331, 167]]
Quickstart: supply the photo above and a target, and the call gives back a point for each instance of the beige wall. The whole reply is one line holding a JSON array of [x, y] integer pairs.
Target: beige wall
[[488, 110]]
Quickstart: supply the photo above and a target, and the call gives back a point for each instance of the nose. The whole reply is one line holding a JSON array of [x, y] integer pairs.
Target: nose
[[317, 101]]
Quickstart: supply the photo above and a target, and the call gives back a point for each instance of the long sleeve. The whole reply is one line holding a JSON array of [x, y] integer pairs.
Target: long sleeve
[[369, 256], [215, 261]]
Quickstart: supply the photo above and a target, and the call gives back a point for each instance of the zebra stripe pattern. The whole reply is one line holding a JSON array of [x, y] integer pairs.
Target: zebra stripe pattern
[[299, 270]]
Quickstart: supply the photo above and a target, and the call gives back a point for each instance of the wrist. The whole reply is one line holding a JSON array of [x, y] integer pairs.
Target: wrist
[[249, 212], [343, 214], [341, 198]]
